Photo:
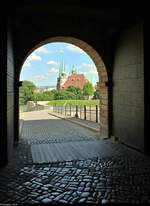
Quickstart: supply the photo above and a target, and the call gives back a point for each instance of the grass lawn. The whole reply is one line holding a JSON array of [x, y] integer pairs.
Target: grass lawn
[[74, 102]]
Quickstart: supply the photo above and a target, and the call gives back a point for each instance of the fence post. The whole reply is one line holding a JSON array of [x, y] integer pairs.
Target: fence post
[[65, 110], [90, 112], [76, 114], [70, 110], [96, 113], [85, 112], [80, 111]]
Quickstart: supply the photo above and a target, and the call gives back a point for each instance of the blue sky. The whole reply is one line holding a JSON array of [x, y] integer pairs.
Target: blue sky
[[42, 66]]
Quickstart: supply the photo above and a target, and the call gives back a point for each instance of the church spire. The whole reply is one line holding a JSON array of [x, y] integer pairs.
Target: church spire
[[60, 69], [74, 70], [63, 67]]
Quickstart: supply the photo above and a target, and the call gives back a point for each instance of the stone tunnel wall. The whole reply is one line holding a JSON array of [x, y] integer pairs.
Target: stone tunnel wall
[[10, 94], [128, 88]]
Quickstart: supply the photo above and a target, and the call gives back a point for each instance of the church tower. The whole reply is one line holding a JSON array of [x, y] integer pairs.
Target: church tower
[[62, 78]]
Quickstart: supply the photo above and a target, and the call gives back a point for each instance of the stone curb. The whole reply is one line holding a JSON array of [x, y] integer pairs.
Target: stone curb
[[75, 122], [21, 122]]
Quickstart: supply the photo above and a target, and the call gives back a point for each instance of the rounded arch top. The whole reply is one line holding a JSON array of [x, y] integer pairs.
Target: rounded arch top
[[99, 63]]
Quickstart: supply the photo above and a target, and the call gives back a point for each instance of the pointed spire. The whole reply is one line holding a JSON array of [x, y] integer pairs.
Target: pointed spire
[[63, 67], [73, 67], [60, 69], [76, 70]]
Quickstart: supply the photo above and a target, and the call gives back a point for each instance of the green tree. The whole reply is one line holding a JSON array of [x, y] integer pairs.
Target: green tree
[[88, 89], [44, 96], [76, 90], [26, 92], [96, 93], [62, 94]]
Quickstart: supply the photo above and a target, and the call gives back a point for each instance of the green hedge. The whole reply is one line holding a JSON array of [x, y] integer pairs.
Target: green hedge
[[74, 102]]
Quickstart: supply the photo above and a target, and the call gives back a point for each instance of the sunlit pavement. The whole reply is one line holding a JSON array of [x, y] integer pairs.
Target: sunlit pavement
[[122, 177]]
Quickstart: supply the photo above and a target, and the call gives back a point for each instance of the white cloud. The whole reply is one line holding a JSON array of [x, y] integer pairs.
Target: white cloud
[[74, 49], [40, 77], [53, 70], [34, 57], [53, 63], [90, 72], [26, 64], [87, 66], [43, 50]]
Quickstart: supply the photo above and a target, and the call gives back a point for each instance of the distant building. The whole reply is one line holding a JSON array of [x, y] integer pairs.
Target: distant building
[[73, 79], [44, 89]]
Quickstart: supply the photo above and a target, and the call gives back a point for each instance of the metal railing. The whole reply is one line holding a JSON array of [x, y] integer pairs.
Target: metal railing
[[90, 113]]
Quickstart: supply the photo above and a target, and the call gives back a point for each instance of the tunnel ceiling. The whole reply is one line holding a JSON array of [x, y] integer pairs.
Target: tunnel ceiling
[[110, 15], [106, 20], [30, 17]]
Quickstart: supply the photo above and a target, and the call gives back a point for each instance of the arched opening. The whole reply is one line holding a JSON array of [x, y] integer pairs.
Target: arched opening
[[102, 73]]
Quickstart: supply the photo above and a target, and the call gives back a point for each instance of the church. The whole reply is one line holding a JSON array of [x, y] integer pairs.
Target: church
[[73, 79]]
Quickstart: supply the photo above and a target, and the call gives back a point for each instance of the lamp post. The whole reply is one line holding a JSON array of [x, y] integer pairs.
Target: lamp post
[[76, 114]]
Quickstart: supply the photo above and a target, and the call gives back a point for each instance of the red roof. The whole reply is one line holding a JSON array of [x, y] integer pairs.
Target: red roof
[[75, 80]]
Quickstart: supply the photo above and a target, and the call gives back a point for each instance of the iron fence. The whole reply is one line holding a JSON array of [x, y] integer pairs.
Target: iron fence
[[91, 113]]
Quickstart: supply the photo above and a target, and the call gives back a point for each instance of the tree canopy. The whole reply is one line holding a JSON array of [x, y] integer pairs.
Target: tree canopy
[[76, 90], [62, 94], [88, 89], [26, 92]]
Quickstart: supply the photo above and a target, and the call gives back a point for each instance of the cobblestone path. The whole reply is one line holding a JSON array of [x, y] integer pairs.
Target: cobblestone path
[[120, 178]]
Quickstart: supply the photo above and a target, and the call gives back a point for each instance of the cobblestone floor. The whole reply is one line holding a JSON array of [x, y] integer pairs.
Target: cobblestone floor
[[121, 178]]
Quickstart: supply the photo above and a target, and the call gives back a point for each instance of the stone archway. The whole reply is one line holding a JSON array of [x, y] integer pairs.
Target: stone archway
[[102, 72]]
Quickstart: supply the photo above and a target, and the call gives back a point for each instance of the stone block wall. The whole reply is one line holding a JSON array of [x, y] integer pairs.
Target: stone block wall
[[10, 94], [128, 89], [3, 99]]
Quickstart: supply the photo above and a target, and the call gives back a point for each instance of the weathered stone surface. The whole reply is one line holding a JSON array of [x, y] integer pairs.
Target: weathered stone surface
[[104, 201], [82, 200], [46, 168], [125, 173], [87, 189], [63, 201], [85, 194], [46, 200]]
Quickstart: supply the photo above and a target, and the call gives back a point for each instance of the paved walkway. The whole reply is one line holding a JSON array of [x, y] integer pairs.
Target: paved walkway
[[93, 126], [121, 177]]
